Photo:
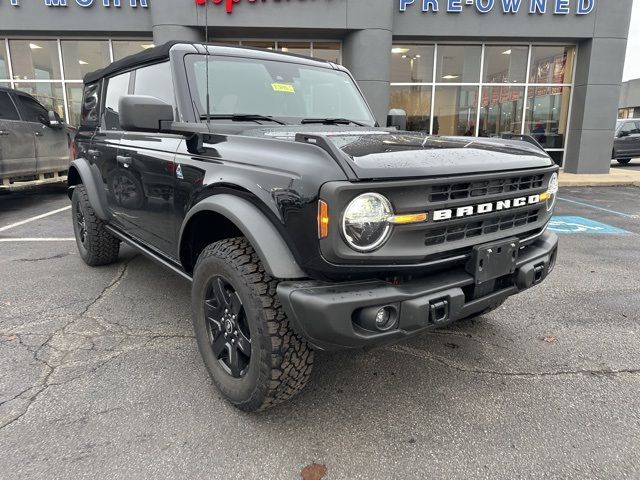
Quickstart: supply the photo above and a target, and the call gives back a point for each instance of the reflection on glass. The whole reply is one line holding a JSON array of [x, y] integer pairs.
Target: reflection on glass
[[298, 48], [4, 68], [329, 51], [35, 59], [259, 44], [416, 101], [458, 63], [455, 111], [505, 64], [48, 94], [547, 115], [82, 57], [233, 43], [501, 110], [122, 49], [552, 64], [74, 103], [412, 63]]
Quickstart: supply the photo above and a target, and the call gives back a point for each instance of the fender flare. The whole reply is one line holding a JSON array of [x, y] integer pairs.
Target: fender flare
[[92, 180], [277, 259]]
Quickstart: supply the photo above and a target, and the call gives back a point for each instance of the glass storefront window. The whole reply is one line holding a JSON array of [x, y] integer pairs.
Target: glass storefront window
[[458, 63], [416, 101], [48, 94], [259, 44], [298, 48], [82, 57], [552, 64], [329, 51], [35, 59], [412, 63], [4, 67], [501, 111], [455, 111], [547, 115], [122, 49], [74, 102], [505, 64]]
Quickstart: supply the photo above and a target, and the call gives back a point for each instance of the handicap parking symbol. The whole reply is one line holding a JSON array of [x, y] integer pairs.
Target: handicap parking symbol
[[568, 224]]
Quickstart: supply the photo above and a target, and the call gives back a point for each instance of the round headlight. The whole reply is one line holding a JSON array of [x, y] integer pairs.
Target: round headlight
[[364, 223], [552, 191]]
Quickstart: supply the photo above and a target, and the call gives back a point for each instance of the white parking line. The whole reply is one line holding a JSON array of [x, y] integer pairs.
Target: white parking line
[[33, 219], [7, 240]]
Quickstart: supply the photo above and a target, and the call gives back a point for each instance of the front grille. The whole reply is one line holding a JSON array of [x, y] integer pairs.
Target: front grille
[[498, 186], [476, 227]]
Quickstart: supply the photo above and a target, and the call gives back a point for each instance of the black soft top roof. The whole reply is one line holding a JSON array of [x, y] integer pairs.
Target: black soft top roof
[[150, 55]]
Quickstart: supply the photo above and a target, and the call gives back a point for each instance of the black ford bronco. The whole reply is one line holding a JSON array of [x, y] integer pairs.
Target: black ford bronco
[[264, 179]]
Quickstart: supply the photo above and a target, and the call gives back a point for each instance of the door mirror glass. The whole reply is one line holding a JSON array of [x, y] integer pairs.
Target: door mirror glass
[[143, 113]]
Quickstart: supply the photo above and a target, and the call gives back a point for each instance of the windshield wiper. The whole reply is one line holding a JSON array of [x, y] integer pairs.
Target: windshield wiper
[[242, 117], [332, 121]]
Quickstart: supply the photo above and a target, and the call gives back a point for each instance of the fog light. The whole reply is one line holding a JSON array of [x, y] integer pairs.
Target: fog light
[[377, 319]]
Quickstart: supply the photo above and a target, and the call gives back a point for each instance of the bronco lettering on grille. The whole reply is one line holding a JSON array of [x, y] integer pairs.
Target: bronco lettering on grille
[[468, 211]]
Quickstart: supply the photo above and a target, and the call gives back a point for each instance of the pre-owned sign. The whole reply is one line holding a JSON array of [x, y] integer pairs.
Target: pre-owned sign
[[557, 7]]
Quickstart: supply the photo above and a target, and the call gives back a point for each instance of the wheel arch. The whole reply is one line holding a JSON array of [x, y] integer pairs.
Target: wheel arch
[[225, 215], [81, 172]]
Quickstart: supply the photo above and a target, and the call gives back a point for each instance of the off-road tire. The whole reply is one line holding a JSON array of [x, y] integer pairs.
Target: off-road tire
[[280, 363], [99, 246], [623, 161]]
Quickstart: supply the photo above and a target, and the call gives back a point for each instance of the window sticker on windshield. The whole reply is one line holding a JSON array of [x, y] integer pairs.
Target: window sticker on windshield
[[283, 87]]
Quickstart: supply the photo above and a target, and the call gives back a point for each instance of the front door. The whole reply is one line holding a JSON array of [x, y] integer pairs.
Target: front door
[[52, 144], [17, 145], [146, 164]]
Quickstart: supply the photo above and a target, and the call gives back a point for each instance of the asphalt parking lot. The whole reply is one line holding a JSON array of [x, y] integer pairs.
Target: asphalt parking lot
[[101, 377]]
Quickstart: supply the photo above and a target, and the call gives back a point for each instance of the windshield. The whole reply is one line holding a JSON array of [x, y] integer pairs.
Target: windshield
[[285, 91]]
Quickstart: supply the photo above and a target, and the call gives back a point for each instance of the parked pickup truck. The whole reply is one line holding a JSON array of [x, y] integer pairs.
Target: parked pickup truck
[[35, 144], [264, 179]]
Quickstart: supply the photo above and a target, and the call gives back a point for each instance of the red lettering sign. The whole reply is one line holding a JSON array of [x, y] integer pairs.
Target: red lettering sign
[[228, 3]]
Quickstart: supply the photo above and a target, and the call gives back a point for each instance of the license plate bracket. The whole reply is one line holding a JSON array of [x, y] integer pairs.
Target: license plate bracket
[[494, 260]]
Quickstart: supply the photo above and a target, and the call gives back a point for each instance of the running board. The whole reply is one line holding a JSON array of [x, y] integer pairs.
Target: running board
[[147, 252], [7, 184]]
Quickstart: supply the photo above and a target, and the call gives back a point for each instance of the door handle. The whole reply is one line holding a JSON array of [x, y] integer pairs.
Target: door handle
[[38, 134], [124, 161], [4, 132], [94, 153]]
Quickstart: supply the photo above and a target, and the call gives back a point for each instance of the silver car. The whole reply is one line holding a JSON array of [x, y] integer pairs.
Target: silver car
[[35, 143], [627, 142]]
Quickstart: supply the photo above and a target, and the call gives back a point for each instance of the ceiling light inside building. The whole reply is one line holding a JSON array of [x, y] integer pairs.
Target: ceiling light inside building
[[34, 46], [147, 46], [507, 52], [399, 50], [82, 62], [450, 77]]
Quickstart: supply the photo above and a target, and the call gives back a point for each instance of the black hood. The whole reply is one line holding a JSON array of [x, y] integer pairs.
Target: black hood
[[383, 153]]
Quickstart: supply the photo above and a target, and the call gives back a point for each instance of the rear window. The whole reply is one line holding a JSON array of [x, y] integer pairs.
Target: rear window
[[7, 108]]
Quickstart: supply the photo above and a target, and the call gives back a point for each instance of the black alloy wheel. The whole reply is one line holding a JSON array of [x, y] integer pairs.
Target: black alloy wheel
[[229, 334], [81, 225]]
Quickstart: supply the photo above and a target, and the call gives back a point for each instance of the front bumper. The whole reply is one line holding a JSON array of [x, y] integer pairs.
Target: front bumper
[[325, 313]]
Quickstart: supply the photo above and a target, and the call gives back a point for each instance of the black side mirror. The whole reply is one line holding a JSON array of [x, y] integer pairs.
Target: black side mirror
[[397, 118], [142, 113], [623, 133], [54, 120]]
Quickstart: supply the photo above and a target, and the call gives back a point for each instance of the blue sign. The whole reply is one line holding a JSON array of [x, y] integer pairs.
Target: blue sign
[[88, 3], [567, 224], [533, 7]]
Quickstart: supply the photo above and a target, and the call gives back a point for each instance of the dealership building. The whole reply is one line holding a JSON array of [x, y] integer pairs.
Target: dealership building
[[551, 69]]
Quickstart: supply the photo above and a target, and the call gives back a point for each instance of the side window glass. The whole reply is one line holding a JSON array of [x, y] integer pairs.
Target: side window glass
[[90, 103], [7, 108], [155, 81], [33, 111], [117, 87], [637, 129]]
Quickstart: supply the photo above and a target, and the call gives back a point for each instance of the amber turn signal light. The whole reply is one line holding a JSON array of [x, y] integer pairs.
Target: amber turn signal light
[[323, 219]]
